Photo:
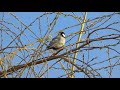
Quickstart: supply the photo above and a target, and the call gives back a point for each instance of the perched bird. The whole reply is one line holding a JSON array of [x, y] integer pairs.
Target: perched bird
[[57, 42]]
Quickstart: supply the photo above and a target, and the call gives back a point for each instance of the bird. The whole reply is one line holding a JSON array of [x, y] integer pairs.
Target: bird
[[57, 42]]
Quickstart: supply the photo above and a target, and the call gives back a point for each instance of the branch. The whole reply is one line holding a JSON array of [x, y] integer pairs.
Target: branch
[[42, 60], [82, 70]]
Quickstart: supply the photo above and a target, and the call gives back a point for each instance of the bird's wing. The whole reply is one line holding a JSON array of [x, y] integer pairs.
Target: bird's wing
[[54, 40]]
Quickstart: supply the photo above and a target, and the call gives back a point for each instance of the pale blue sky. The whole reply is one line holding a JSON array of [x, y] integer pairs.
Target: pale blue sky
[[28, 17]]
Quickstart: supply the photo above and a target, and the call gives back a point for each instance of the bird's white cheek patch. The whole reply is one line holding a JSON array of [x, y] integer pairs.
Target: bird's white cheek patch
[[63, 35]]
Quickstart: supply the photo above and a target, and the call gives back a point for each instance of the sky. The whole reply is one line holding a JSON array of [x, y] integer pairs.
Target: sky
[[63, 22]]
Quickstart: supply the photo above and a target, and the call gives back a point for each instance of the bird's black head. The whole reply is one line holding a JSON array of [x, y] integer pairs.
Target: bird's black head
[[62, 34]]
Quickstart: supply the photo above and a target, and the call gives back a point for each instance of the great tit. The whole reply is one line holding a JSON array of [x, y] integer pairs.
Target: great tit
[[57, 42]]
